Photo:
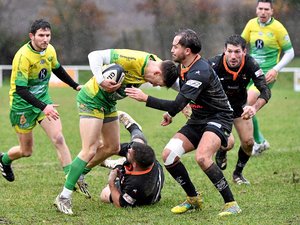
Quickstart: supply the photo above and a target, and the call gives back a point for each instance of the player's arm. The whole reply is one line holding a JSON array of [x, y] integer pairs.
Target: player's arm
[[49, 110], [115, 193], [96, 61], [259, 81], [62, 74], [24, 93], [172, 106], [286, 59]]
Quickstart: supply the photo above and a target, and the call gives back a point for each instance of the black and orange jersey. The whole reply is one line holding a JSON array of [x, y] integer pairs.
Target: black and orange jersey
[[236, 80], [141, 188]]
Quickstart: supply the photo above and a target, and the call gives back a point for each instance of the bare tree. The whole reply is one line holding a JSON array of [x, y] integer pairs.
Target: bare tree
[[75, 25]]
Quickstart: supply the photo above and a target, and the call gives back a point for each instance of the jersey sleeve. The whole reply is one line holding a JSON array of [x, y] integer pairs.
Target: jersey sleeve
[[259, 80], [246, 32], [283, 38], [22, 65], [96, 61], [54, 63]]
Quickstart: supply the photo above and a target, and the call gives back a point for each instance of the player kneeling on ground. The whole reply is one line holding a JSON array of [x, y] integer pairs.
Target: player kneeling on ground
[[138, 181]]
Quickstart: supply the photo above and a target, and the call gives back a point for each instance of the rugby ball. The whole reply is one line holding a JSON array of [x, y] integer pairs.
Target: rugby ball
[[114, 72]]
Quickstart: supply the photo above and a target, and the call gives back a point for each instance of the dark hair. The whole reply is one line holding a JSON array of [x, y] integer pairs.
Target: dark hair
[[143, 155], [189, 39], [236, 40], [268, 1], [39, 24], [170, 72]]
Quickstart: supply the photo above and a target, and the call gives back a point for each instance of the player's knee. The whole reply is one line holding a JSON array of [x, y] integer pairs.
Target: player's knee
[[173, 151], [58, 139], [27, 152], [248, 145], [201, 160]]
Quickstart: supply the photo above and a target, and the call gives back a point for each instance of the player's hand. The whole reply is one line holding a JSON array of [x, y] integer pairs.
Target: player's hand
[[78, 88], [51, 112], [187, 111], [249, 112], [110, 85], [136, 94], [271, 76], [167, 119]]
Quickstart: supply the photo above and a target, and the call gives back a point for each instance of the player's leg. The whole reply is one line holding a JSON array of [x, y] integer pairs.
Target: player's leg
[[132, 126], [24, 149], [211, 141], [25, 138], [136, 134], [221, 155], [110, 142], [244, 129], [53, 129], [172, 153], [90, 130], [261, 142]]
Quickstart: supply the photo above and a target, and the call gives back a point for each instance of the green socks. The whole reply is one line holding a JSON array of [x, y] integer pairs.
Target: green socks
[[76, 169]]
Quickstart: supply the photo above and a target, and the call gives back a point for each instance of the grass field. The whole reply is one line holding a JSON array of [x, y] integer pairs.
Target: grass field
[[272, 198]]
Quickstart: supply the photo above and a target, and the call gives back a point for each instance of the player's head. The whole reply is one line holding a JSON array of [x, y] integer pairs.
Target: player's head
[[40, 34], [235, 50], [236, 40], [142, 154], [264, 10], [169, 72], [186, 42], [267, 1], [39, 24]]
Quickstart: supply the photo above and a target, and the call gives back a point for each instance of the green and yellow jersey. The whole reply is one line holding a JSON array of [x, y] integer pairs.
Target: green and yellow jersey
[[32, 69], [132, 61], [266, 42]]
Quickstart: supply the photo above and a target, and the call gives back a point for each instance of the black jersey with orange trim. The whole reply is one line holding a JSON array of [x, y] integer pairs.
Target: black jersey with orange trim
[[235, 87], [141, 188], [201, 85]]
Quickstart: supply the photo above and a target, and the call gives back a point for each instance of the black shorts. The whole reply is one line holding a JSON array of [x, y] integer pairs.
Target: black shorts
[[194, 132]]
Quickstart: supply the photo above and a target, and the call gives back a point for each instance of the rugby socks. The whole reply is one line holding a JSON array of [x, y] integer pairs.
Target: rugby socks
[[6, 160], [76, 169], [258, 136], [66, 169], [242, 161], [86, 170], [180, 174], [216, 176]]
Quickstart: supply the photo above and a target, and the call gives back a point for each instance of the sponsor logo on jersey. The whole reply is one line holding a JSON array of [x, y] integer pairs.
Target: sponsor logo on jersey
[[43, 74], [259, 44], [23, 119], [259, 73], [194, 83], [128, 199], [287, 38]]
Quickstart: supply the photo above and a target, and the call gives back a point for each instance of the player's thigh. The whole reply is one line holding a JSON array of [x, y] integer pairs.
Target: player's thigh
[[244, 129], [111, 134], [90, 130], [210, 142], [51, 127]]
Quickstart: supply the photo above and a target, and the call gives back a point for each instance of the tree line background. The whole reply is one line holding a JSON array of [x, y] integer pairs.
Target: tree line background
[[81, 26]]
